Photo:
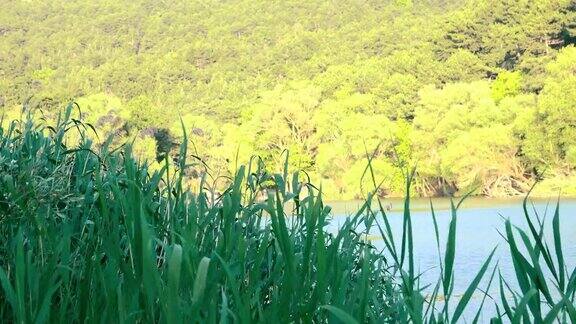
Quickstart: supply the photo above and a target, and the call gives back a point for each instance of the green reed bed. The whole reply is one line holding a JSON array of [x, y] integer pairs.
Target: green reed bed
[[90, 234]]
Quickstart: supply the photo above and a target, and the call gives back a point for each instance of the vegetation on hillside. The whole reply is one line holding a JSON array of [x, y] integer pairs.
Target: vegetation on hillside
[[476, 93], [89, 234]]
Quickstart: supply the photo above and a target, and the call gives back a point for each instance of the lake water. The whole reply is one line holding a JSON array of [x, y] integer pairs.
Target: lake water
[[479, 221]]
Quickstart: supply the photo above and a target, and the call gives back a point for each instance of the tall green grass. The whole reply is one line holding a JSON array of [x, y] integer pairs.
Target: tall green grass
[[90, 234]]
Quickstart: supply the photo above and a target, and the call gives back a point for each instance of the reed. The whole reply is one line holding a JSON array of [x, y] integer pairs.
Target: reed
[[91, 234]]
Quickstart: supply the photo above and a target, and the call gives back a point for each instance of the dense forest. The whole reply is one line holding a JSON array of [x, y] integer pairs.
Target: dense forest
[[475, 94]]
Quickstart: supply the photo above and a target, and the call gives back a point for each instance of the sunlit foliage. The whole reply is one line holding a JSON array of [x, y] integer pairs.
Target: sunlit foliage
[[421, 82]]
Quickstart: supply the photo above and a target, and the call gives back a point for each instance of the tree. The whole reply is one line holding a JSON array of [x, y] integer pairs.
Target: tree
[[282, 120], [146, 114], [506, 84], [463, 138], [551, 134]]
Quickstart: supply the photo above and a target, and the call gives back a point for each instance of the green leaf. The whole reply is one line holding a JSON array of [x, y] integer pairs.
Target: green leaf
[[200, 282], [340, 314], [471, 288]]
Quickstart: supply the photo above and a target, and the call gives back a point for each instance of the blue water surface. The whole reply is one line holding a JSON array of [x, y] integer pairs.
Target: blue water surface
[[480, 224]]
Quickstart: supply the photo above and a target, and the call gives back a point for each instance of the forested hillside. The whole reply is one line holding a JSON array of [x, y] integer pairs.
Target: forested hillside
[[473, 93]]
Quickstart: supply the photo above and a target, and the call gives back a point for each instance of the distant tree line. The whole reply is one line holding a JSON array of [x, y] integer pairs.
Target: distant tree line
[[476, 94]]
